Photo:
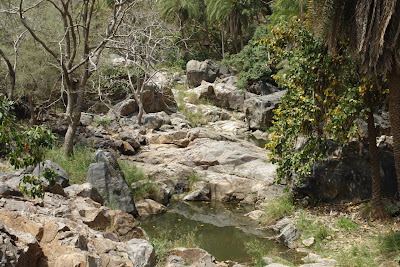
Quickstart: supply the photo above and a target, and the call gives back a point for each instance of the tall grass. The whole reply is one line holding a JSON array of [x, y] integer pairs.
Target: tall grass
[[76, 165], [278, 208]]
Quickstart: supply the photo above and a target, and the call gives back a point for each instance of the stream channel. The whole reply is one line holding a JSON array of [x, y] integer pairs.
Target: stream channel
[[219, 228]]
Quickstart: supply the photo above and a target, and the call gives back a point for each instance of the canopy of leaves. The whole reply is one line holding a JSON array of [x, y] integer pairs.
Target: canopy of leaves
[[324, 97]]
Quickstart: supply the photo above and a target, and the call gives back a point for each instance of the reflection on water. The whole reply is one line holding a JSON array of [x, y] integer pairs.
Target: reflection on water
[[220, 229]]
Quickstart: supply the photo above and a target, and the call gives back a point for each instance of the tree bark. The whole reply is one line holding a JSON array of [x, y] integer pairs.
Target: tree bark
[[378, 208], [11, 72], [394, 115], [203, 6], [73, 112]]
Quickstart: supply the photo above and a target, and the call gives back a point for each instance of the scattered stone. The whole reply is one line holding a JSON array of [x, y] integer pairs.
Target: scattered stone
[[267, 260], [308, 242], [194, 256], [276, 265], [255, 214], [9, 190], [147, 207], [141, 253]]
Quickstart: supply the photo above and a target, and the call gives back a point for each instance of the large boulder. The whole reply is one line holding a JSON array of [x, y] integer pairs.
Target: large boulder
[[147, 207], [157, 95], [126, 107], [201, 71], [259, 109], [106, 177], [228, 96], [345, 174]]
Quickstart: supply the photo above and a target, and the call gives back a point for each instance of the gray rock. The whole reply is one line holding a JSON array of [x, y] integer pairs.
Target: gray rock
[[308, 242], [153, 122], [158, 96], [201, 71], [288, 232], [62, 176], [228, 96], [259, 110], [345, 175], [126, 107], [276, 265], [111, 185], [9, 190], [262, 88], [141, 253], [85, 190], [267, 260]]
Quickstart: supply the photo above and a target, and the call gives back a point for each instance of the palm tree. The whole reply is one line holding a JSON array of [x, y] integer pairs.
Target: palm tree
[[180, 11], [373, 29]]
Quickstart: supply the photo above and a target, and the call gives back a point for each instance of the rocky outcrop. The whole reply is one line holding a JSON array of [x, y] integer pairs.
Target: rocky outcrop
[[234, 169], [197, 71], [69, 231], [105, 175], [262, 88], [345, 174], [158, 96], [259, 110]]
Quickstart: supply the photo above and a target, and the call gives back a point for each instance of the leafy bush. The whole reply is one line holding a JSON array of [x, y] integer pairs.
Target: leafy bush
[[252, 61], [24, 146], [323, 100]]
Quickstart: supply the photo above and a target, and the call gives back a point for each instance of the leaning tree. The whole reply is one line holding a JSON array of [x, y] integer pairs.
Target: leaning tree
[[372, 28]]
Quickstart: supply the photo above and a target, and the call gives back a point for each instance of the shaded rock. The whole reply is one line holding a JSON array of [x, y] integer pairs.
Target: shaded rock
[[110, 182], [345, 175], [202, 192], [9, 190], [198, 71], [125, 107], [147, 207], [158, 96], [262, 88], [62, 176], [85, 190], [205, 90], [259, 110]]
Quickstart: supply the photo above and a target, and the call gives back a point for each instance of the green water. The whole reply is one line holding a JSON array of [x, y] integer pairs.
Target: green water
[[220, 229]]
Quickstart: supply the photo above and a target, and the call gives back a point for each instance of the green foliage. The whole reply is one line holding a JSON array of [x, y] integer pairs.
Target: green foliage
[[390, 242], [76, 166], [145, 187], [252, 61], [312, 228], [278, 208], [24, 147], [360, 255], [257, 250], [163, 242], [347, 224], [285, 10], [323, 100]]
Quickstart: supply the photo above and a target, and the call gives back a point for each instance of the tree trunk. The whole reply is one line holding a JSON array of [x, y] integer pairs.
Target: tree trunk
[[378, 208], [203, 6], [73, 116], [32, 112], [394, 114], [11, 72]]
